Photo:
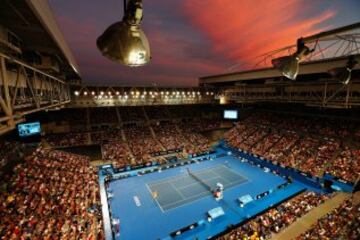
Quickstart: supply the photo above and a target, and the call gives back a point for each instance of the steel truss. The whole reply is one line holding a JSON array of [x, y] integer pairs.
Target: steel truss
[[24, 90], [328, 94], [330, 47]]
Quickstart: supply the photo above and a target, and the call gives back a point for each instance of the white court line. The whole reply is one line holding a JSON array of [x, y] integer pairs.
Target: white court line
[[173, 178], [194, 196], [241, 173], [155, 198], [196, 182], [198, 199], [216, 174], [182, 196]]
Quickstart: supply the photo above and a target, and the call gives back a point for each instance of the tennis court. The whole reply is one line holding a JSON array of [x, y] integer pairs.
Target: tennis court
[[179, 190]]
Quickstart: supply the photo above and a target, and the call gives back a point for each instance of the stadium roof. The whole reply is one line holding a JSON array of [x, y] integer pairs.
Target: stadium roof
[[34, 23], [307, 68]]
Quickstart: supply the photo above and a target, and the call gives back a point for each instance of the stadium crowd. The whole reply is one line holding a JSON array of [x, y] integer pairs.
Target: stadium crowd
[[68, 139], [119, 144], [169, 136], [341, 223], [300, 143], [118, 153], [51, 195], [5, 152], [344, 165], [141, 143], [276, 219]]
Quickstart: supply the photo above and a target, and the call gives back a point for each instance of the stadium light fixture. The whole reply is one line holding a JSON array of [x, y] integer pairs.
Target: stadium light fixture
[[125, 42], [76, 93], [289, 65], [344, 73]]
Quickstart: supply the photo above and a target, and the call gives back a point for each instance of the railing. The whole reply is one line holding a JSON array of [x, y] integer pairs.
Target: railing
[[322, 94], [25, 89]]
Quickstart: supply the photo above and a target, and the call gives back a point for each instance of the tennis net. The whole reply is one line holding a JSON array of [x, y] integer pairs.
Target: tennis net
[[207, 186]]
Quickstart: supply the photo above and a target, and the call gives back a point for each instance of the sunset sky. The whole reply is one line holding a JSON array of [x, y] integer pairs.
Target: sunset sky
[[193, 38]]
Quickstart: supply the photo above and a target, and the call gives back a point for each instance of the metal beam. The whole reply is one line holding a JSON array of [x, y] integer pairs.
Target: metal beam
[[38, 92], [13, 60], [321, 94], [306, 68], [332, 32], [330, 48]]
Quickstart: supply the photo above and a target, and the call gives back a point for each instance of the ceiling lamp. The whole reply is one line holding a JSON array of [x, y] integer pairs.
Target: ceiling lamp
[[124, 42], [289, 65], [344, 73]]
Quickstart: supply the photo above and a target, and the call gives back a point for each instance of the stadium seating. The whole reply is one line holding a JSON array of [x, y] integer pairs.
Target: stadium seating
[[342, 223], [141, 143], [276, 219], [52, 195], [301, 143], [118, 153], [169, 136], [345, 165], [103, 115], [68, 139], [157, 112], [133, 114], [9, 150]]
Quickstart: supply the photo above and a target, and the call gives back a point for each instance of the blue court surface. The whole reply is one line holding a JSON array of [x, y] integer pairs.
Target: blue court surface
[[176, 191], [156, 204]]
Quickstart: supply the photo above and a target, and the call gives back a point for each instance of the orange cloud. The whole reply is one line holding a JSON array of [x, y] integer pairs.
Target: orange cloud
[[242, 30]]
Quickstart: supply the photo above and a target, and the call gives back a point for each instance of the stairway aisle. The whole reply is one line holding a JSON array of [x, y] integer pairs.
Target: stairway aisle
[[304, 223]]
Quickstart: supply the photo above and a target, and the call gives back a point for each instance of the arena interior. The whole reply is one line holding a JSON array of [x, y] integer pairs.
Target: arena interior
[[270, 152]]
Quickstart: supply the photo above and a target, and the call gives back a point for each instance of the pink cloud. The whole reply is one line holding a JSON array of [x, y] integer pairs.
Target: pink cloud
[[242, 30], [170, 66]]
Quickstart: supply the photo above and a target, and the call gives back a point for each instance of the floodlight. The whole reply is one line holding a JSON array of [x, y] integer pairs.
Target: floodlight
[[125, 42], [289, 65], [344, 73]]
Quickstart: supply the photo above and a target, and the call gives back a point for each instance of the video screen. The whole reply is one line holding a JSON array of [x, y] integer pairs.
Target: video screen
[[29, 129], [231, 114]]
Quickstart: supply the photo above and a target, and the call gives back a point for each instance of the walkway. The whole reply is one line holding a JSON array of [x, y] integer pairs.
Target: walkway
[[304, 223]]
